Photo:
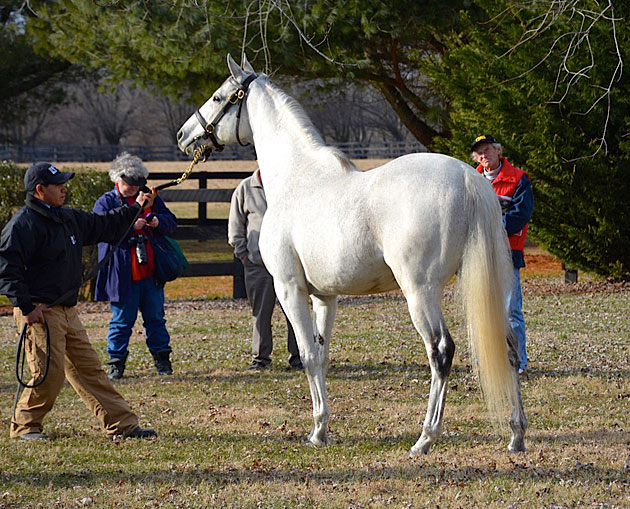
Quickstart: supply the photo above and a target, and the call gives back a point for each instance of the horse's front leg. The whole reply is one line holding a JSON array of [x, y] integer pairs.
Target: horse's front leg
[[313, 346], [315, 357]]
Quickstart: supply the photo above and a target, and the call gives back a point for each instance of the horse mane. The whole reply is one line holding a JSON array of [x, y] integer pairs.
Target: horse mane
[[294, 110]]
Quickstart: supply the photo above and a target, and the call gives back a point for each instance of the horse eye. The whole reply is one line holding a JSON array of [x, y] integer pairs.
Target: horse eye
[[216, 99]]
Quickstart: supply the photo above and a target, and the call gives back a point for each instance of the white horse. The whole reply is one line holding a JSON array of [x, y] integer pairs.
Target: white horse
[[330, 229]]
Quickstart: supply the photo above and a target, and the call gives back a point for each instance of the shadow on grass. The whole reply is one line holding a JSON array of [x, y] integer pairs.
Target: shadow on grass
[[434, 469], [363, 371], [384, 369], [605, 374]]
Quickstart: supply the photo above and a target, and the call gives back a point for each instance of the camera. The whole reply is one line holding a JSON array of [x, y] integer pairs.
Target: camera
[[139, 241]]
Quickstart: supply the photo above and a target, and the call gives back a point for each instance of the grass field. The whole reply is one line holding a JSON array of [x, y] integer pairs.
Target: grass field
[[229, 437], [232, 438]]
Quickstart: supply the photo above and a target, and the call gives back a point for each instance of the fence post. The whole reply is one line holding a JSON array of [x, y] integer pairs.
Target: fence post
[[238, 281], [202, 214], [570, 275]]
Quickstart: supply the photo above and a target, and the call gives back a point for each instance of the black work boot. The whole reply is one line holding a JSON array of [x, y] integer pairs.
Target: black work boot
[[116, 367], [142, 433], [162, 362]]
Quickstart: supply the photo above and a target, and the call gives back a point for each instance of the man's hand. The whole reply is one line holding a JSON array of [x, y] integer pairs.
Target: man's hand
[[35, 316], [146, 200]]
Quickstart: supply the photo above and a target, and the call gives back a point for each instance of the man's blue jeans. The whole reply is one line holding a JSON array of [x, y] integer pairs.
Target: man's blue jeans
[[149, 299], [514, 307]]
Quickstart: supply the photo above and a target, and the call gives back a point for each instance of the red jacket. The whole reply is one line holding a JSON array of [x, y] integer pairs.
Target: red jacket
[[505, 186]]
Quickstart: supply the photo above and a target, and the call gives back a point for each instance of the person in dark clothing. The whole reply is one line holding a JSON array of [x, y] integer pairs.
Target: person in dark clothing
[[40, 262], [127, 281]]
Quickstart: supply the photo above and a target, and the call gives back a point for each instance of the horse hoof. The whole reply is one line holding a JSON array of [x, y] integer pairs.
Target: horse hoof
[[418, 451], [316, 442], [514, 449]]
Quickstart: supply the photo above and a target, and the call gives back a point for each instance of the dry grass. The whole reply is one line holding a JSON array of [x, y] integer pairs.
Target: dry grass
[[229, 437]]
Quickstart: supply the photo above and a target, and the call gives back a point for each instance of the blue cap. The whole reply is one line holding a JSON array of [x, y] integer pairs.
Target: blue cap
[[45, 174]]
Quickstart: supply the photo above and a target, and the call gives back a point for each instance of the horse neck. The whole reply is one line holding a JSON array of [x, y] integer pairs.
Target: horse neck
[[287, 145]]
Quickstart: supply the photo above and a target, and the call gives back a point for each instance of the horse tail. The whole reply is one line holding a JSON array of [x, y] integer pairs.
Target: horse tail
[[485, 279]]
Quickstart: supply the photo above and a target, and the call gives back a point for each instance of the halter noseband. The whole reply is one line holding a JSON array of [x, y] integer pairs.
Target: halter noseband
[[236, 97]]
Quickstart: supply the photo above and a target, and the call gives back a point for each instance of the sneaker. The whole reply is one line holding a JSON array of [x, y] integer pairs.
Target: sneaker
[[522, 373], [33, 436], [298, 365], [256, 365], [142, 433]]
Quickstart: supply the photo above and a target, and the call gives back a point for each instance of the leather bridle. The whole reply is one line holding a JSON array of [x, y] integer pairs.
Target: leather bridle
[[236, 98]]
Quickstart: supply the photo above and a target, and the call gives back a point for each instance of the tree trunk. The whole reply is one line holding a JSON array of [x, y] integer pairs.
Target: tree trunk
[[421, 130]]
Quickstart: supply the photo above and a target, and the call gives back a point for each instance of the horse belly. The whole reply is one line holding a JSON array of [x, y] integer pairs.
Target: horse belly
[[347, 275]]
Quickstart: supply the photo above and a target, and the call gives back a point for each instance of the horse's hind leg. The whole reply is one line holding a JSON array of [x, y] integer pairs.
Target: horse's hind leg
[[429, 322], [518, 421]]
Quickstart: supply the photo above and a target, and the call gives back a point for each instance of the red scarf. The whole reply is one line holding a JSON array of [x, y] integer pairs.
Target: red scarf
[[139, 271]]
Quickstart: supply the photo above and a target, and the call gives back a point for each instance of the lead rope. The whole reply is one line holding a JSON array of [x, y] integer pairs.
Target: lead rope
[[203, 151]]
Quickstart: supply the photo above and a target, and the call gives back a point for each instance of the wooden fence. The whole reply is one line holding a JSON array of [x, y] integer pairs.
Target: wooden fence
[[203, 228]]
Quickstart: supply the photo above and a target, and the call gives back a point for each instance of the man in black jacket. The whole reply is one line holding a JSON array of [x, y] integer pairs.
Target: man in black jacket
[[40, 262]]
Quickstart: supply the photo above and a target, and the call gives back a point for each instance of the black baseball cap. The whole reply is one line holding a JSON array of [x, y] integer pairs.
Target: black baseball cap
[[141, 182], [484, 138], [45, 174]]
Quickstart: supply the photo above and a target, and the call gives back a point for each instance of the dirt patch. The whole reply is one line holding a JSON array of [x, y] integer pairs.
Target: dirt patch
[[539, 261]]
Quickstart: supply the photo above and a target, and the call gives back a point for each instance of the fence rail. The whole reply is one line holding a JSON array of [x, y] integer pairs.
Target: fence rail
[[100, 153], [203, 228]]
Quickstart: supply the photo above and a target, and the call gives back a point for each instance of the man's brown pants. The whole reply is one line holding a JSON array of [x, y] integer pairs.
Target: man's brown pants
[[73, 357]]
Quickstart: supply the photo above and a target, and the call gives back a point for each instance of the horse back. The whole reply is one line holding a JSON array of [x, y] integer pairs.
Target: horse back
[[350, 230]]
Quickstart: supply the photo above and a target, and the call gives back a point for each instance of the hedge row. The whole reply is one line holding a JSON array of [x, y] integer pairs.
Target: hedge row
[[83, 190]]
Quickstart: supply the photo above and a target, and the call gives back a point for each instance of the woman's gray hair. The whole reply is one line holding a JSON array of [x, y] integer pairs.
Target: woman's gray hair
[[128, 165]]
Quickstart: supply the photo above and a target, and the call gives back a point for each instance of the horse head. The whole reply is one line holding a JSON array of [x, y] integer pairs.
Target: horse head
[[223, 118]]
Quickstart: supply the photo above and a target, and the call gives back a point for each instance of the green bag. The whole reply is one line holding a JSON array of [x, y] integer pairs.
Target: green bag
[[168, 260], [178, 250]]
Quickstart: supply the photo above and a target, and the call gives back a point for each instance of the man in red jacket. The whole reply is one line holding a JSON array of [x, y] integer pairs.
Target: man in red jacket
[[514, 190]]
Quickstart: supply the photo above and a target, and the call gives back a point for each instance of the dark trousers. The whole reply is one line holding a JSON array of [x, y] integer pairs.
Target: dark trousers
[[262, 297]]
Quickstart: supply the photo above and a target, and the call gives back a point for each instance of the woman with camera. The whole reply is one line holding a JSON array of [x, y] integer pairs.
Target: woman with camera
[[127, 281]]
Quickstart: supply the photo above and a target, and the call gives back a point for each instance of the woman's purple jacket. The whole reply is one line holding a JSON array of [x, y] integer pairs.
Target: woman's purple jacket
[[113, 281]]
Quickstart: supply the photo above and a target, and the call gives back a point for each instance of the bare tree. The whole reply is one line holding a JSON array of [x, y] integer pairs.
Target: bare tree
[[572, 42], [355, 113], [27, 123], [111, 115], [573, 39], [174, 114]]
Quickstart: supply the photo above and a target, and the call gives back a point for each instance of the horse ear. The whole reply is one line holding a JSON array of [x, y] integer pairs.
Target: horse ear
[[235, 70], [247, 67]]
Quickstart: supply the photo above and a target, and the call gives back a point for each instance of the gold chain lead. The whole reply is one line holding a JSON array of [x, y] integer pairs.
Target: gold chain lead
[[198, 154]]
